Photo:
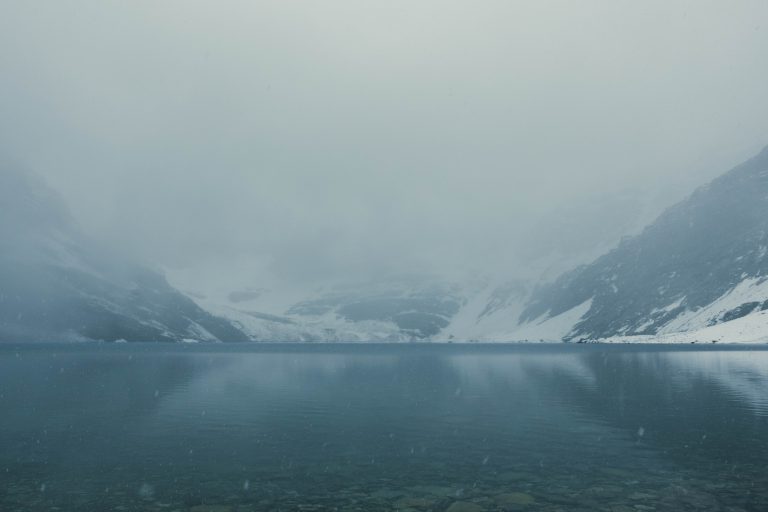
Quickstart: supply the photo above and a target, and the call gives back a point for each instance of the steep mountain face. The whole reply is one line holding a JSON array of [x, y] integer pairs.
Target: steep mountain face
[[703, 262], [57, 285], [489, 310]]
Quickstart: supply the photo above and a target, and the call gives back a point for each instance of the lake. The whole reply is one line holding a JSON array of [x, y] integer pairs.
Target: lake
[[409, 427]]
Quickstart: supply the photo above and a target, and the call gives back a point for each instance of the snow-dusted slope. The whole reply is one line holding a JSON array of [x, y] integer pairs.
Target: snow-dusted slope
[[57, 285], [487, 310], [752, 328], [700, 265], [478, 321], [703, 263], [399, 308], [697, 274], [748, 297], [328, 327]]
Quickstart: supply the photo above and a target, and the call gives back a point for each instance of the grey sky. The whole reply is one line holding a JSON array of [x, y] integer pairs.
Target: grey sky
[[353, 137]]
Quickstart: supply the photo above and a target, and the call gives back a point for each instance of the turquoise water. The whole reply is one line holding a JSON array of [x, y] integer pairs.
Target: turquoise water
[[462, 428]]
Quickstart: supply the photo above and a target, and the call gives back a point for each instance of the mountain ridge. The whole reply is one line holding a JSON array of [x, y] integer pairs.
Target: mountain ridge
[[696, 252], [56, 284], [702, 264]]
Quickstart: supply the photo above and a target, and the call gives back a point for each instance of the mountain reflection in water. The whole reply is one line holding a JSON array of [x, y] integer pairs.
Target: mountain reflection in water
[[383, 427]]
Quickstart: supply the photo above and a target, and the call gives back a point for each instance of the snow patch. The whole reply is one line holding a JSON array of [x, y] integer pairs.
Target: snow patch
[[546, 328], [749, 290], [749, 329]]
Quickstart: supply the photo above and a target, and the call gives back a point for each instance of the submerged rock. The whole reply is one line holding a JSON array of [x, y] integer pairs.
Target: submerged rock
[[211, 508], [514, 499], [516, 476], [387, 494], [464, 506], [413, 502], [434, 490]]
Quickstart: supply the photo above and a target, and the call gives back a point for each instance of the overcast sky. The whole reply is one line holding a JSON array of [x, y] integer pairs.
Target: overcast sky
[[354, 137]]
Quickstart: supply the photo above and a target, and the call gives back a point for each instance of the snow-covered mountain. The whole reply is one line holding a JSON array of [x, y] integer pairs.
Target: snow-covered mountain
[[698, 273], [420, 308], [56, 284], [702, 264], [396, 308]]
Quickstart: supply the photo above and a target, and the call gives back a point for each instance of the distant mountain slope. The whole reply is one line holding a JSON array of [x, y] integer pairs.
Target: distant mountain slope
[[700, 269], [419, 308], [56, 284], [490, 307], [395, 308], [701, 263]]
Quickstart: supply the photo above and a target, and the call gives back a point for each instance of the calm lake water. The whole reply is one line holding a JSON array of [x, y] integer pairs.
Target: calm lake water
[[383, 427]]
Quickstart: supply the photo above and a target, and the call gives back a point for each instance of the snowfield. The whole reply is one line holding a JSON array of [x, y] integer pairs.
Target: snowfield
[[488, 313], [749, 329]]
